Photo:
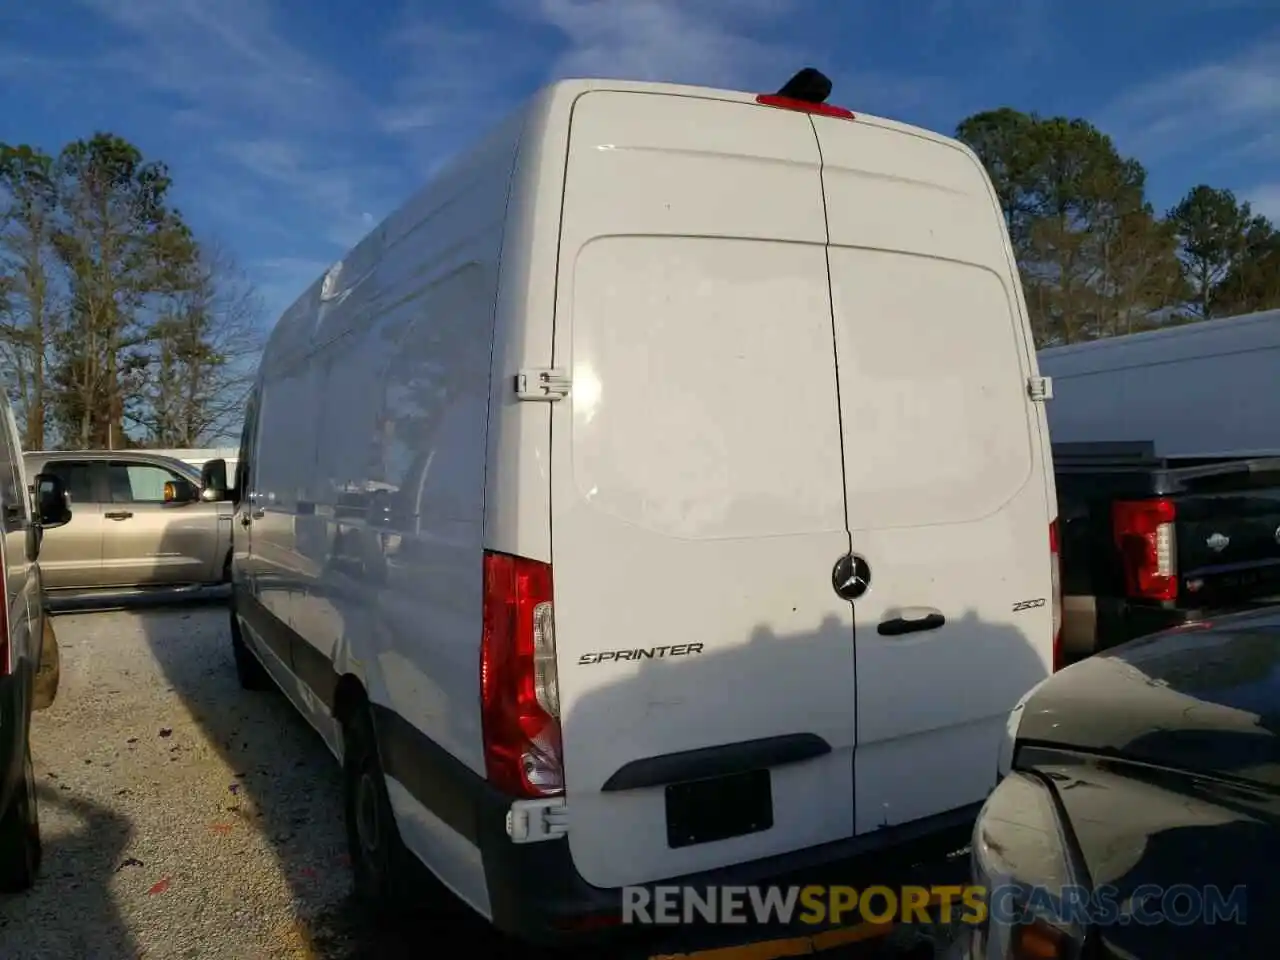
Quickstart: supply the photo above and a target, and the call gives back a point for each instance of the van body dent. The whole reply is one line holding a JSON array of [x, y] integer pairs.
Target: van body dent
[[667, 448]]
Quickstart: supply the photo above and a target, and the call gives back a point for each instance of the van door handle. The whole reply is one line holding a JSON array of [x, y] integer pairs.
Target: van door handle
[[118, 515], [911, 620]]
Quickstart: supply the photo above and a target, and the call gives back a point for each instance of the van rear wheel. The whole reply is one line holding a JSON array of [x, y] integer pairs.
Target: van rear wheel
[[379, 860], [20, 847]]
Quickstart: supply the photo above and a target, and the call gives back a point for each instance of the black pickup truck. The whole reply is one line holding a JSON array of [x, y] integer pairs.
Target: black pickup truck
[[1148, 543]]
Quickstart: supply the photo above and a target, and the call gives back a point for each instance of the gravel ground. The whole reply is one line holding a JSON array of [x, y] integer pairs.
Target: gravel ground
[[184, 817]]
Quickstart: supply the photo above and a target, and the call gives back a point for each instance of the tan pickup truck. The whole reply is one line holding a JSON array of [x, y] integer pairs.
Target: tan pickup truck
[[140, 522]]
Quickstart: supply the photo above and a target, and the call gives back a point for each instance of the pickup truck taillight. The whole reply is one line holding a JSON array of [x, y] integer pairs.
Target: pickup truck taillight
[[1143, 531], [1055, 568]]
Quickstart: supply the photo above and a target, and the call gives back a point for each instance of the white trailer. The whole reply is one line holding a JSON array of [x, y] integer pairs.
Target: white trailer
[[1205, 390]]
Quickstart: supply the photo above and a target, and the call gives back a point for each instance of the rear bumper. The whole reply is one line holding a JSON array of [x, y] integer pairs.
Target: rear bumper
[[537, 894]]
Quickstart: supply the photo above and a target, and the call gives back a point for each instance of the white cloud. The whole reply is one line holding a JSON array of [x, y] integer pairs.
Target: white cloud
[[448, 72], [287, 166], [452, 73], [230, 75], [725, 43], [713, 43], [1233, 104], [226, 57], [454, 83], [458, 81], [291, 151]]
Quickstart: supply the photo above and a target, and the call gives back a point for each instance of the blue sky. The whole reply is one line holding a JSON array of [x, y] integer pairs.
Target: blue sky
[[291, 127]]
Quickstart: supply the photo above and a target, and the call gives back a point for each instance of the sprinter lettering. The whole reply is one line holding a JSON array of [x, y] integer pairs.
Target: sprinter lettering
[[643, 653]]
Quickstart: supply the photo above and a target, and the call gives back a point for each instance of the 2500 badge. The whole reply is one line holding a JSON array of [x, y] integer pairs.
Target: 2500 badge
[[1028, 604]]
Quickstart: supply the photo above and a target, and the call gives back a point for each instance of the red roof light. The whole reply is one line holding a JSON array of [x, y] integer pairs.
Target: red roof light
[[804, 106]]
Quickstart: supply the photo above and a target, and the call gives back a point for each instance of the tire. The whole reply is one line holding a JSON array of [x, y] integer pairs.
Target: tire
[[20, 848], [381, 864], [249, 669], [50, 670]]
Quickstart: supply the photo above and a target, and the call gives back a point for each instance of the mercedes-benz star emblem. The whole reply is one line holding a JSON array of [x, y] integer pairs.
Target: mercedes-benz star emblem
[[1277, 534], [850, 577]]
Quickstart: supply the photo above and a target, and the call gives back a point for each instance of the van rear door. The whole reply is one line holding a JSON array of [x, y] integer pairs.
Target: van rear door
[[942, 459], [697, 499]]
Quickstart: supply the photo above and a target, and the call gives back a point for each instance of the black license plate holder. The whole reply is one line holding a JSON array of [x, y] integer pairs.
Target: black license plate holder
[[703, 811]]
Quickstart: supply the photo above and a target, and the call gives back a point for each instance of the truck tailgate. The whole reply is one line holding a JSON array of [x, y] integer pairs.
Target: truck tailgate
[[1228, 543]]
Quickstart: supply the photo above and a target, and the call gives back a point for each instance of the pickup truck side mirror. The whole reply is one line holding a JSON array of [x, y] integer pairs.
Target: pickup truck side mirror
[[180, 491], [213, 481], [52, 508]]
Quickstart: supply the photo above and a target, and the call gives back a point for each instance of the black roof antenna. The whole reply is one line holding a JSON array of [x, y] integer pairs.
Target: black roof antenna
[[807, 86]]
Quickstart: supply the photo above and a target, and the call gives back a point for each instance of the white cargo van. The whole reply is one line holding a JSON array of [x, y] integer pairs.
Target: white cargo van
[[662, 492]]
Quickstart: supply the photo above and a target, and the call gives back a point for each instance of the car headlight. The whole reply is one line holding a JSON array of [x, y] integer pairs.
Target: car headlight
[[1034, 887]]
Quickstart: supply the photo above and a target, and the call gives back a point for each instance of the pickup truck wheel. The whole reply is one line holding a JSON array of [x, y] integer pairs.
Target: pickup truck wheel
[[249, 670], [20, 849], [50, 670], [379, 859]]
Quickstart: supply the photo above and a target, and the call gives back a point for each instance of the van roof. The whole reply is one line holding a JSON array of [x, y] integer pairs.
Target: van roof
[[576, 87], [296, 324]]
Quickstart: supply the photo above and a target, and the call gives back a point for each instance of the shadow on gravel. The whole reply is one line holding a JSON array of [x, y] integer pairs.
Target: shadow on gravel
[[74, 880], [288, 787]]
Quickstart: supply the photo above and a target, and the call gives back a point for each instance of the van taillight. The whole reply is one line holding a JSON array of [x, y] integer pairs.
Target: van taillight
[[1055, 569], [518, 684], [1143, 531]]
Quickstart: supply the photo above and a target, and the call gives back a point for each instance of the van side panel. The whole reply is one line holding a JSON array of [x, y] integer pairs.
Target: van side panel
[[399, 473], [517, 516], [377, 470], [944, 466], [290, 406], [697, 500]]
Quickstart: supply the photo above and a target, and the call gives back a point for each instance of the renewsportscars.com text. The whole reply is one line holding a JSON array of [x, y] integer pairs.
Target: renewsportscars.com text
[[1181, 905]]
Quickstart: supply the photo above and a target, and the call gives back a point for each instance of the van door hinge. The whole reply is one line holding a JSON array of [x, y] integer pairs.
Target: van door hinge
[[531, 821], [542, 384], [1040, 388]]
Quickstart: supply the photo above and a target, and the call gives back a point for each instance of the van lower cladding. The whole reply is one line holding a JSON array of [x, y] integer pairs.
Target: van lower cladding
[[660, 496]]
